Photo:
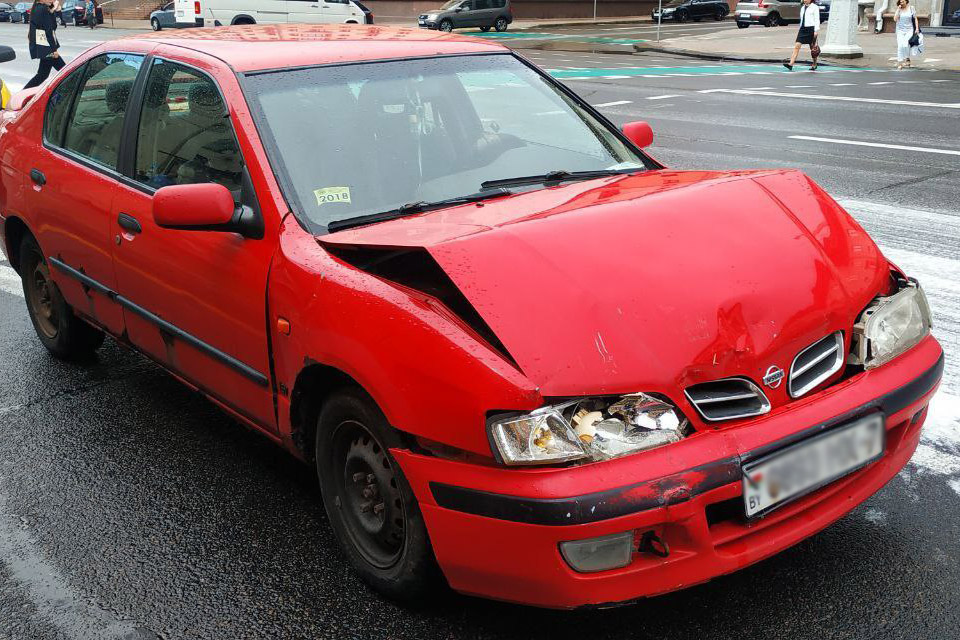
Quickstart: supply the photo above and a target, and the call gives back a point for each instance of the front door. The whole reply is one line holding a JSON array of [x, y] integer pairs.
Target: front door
[[193, 300], [75, 180]]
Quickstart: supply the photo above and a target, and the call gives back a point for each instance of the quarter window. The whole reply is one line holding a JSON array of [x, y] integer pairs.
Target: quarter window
[[58, 108], [96, 123], [185, 135]]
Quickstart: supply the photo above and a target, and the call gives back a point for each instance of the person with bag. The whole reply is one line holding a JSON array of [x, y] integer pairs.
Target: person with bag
[[43, 41], [809, 30], [908, 32]]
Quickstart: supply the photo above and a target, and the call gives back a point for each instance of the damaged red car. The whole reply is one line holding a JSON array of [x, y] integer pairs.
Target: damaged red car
[[522, 354]]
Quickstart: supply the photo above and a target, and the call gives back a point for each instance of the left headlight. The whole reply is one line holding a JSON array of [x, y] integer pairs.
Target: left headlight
[[590, 428], [890, 326]]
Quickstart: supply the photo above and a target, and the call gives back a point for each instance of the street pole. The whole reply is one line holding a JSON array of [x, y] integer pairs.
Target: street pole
[[659, 18], [594, 10]]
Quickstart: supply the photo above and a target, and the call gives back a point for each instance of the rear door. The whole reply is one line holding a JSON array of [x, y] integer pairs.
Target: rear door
[[196, 299], [75, 179]]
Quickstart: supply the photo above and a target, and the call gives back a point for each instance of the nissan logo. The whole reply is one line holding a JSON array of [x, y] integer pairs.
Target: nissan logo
[[773, 377]]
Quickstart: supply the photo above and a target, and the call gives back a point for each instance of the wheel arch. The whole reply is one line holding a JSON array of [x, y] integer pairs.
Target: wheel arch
[[14, 231], [242, 19]]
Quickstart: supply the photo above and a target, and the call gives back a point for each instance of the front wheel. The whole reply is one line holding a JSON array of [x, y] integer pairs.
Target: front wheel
[[63, 334], [446, 25], [500, 25], [682, 16], [155, 24], [772, 20], [719, 15], [371, 507]]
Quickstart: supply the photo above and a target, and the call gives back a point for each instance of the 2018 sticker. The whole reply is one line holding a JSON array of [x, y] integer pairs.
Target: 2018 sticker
[[332, 194]]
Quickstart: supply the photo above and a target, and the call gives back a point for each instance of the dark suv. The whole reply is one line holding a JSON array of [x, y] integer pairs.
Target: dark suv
[[683, 10], [456, 14]]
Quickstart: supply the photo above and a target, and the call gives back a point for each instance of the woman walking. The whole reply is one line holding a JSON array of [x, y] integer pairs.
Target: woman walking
[[907, 25], [43, 41], [809, 29]]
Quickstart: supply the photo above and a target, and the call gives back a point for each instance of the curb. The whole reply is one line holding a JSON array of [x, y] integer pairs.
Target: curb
[[589, 23], [722, 57]]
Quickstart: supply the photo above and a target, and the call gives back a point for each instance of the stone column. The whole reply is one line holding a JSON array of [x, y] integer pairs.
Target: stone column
[[841, 40]]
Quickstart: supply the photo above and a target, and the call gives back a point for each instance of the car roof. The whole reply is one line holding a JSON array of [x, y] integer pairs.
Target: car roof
[[261, 47]]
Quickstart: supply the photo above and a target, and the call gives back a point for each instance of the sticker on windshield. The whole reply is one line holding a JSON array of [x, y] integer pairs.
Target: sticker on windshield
[[332, 194]]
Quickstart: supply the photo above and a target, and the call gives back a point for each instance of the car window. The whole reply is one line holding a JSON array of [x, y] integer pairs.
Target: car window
[[58, 108], [185, 136], [96, 122], [481, 4]]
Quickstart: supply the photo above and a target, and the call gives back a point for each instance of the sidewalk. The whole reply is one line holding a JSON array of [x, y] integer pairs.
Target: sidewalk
[[774, 44]]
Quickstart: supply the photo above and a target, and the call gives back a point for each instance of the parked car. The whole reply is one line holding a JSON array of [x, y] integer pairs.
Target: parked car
[[69, 9], [80, 13], [697, 10], [769, 13], [5, 10], [457, 14], [165, 18], [21, 12], [6, 55], [216, 13], [824, 10], [563, 374]]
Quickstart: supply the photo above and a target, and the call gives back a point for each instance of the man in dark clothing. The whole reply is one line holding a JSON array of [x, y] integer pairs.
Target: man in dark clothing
[[43, 41]]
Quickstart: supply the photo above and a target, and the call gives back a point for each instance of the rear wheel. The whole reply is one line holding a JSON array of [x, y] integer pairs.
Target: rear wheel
[[371, 507], [500, 24], [63, 334], [155, 24], [772, 20], [719, 15], [446, 25], [682, 16]]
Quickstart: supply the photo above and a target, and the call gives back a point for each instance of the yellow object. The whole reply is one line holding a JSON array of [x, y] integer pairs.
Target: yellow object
[[332, 194], [4, 95]]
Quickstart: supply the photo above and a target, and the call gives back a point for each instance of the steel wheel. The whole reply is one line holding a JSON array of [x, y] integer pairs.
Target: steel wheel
[[500, 24], [40, 292], [446, 25], [370, 496]]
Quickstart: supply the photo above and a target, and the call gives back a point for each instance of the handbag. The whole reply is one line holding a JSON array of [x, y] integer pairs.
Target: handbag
[[815, 50], [914, 40]]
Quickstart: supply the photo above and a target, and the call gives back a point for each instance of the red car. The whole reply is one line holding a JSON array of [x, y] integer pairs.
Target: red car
[[521, 353]]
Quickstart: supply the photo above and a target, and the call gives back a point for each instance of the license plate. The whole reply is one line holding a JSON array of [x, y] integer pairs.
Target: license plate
[[423, 22], [806, 466], [744, 15]]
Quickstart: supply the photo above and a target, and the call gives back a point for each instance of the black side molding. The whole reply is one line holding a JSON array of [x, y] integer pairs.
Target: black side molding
[[164, 326], [658, 492]]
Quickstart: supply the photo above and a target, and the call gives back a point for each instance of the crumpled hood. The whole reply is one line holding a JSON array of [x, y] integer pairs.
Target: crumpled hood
[[652, 282]]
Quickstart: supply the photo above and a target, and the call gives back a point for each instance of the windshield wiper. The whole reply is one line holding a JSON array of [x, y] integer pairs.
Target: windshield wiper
[[414, 207], [555, 177]]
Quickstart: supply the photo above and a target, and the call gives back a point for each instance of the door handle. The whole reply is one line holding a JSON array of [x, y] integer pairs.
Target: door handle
[[37, 176], [129, 223]]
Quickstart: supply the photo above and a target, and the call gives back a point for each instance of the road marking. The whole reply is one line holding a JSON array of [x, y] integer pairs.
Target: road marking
[[808, 96], [879, 83], [613, 104], [669, 95], [881, 145], [614, 77], [941, 81], [799, 86], [843, 84], [10, 281], [758, 88]]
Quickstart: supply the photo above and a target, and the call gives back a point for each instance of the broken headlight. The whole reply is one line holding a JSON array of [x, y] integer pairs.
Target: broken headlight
[[591, 428], [890, 326]]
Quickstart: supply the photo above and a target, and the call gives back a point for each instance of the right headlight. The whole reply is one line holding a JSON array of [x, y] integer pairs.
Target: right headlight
[[890, 326], [588, 428]]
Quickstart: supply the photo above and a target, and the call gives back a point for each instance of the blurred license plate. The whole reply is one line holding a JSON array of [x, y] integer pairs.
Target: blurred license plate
[[808, 465], [744, 15], [422, 22]]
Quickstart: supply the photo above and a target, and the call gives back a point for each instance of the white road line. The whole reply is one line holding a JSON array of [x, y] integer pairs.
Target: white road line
[[799, 86], [809, 96], [941, 81], [615, 77], [758, 88], [669, 95], [10, 281], [881, 145], [613, 104], [843, 84], [879, 83]]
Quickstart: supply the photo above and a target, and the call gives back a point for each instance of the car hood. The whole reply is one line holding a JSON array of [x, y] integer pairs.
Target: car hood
[[653, 281]]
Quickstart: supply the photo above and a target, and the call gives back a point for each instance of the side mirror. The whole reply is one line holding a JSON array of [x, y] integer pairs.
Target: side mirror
[[203, 207], [639, 133], [7, 54]]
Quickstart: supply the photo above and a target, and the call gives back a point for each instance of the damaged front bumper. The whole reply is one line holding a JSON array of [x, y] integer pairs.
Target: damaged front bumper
[[497, 532]]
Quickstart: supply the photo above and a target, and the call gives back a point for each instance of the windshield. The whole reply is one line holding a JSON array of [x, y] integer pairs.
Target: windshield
[[359, 139], [450, 5]]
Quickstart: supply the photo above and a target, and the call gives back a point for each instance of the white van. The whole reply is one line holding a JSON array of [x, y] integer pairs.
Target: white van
[[216, 13], [187, 12]]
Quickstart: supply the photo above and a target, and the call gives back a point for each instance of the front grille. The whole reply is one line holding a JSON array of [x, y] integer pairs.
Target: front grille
[[815, 364], [727, 399]]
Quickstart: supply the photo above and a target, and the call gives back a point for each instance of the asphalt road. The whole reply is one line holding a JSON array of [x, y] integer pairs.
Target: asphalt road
[[131, 508]]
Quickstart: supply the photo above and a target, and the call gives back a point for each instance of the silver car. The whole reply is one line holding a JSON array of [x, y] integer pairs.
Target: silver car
[[456, 14], [769, 13]]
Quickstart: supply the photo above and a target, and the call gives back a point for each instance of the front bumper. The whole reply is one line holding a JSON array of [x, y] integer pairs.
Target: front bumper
[[496, 532]]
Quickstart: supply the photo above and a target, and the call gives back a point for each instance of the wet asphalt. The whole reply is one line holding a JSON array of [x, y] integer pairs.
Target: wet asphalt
[[130, 507]]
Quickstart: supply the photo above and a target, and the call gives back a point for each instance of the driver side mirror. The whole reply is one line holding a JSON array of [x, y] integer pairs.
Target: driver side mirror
[[639, 133], [203, 207]]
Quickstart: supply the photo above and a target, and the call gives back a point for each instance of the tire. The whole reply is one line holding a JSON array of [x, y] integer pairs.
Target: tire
[[484, 29], [719, 15], [501, 24], [682, 16], [743, 25], [63, 334], [772, 20], [155, 24], [446, 25], [389, 547]]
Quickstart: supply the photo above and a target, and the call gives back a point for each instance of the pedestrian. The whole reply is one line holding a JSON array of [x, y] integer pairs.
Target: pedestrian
[[907, 26], [58, 13], [92, 13], [809, 30], [43, 41]]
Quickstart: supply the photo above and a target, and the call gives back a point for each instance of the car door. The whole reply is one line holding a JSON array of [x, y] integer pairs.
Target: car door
[[75, 179], [790, 10], [168, 17], [271, 11], [336, 11], [195, 301], [309, 11]]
